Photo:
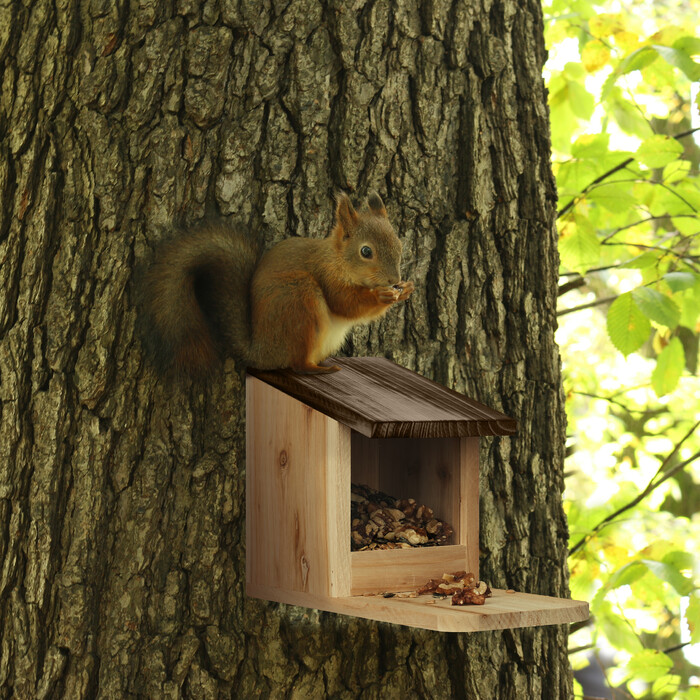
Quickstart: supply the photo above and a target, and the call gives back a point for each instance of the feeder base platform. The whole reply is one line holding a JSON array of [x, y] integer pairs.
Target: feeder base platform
[[501, 611]]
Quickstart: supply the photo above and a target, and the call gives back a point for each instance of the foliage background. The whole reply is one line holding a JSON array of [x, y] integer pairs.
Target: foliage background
[[623, 85]]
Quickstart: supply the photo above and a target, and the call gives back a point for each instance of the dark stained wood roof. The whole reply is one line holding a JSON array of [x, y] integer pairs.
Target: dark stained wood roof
[[377, 398]]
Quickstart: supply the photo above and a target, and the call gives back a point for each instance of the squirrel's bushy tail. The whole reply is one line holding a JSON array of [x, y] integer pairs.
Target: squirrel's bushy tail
[[196, 299]]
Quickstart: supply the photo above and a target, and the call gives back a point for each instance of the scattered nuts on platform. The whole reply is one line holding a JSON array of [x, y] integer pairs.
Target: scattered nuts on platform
[[380, 521], [463, 587]]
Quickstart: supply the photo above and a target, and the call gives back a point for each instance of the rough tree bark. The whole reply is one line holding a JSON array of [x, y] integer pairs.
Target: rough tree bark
[[122, 495]]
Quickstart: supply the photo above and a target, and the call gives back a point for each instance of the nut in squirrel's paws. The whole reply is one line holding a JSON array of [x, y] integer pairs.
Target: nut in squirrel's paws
[[405, 290], [387, 295]]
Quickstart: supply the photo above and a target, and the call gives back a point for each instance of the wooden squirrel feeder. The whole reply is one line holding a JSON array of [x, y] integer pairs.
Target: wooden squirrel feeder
[[310, 436]]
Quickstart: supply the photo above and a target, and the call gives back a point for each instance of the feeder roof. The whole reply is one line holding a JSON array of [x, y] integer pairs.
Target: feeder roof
[[378, 398]]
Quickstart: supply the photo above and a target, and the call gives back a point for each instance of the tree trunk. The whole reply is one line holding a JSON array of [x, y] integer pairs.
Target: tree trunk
[[122, 496]]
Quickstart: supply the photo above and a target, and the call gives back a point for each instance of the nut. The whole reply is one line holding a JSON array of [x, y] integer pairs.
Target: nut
[[380, 521], [462, 586]]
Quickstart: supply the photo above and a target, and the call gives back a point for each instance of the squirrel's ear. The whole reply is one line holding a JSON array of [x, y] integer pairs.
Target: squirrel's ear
[[376, 204], [345, 214]]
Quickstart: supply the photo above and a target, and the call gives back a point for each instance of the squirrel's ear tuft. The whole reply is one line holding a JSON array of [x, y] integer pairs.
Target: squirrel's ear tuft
[[345, 214], [376, 204]]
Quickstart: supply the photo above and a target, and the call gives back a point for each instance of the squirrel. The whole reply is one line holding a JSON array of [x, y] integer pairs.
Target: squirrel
[[210, 291]]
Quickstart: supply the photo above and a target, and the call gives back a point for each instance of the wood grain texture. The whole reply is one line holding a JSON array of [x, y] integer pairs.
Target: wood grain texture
[[425, 469], [502, 611], [469, 501], [403, 569], [298, 495], [380, 399]]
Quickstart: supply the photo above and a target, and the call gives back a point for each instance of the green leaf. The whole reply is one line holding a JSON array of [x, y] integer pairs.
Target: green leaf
[[692, 617], [691, 307], [627, 326], [635, 61], [590, 146], [657, 306], [649, 664], [581, 101], [688, 44], [580, 249], [678, 281], [689, 694], [617, 631], [626, 575], [687, 225], [641, 58], [679, 59], [669, 368], [628, 117], [666, 686], [666, 572], [613, 196], [641, 262], [679, 560], [658, 151], [676, 170]]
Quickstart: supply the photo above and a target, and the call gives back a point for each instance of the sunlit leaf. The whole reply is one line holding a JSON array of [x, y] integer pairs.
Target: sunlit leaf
[[637, 60], [666, 686], [628, 327], [581, 101], [605, 24], [618, 632], [595, 55], [669, 368], [590, 146], [669, 574], [626, 575], [692, 617], [579, 247], [642, 261], [688, 44], [676, 170], [658, 151], [629, 118], [667, 35], [657, 306], [681, 561], [687, 225], [649, 664], [679, 59], [690, 307], [614, 197], [627, 41], [679, 281]]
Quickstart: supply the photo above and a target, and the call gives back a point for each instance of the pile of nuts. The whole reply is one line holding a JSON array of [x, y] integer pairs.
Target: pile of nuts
[[379, 521], [463, 587]]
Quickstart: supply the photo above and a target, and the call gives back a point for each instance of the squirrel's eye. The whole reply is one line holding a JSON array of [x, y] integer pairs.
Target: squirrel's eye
[[366, 251]]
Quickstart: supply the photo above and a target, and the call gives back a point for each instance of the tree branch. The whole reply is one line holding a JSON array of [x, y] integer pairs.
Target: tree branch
[[569, 286], [612, 171], [653, 484], [602, 177], [597, 302]]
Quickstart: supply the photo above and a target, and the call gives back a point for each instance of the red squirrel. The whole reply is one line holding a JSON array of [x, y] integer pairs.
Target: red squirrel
[[210, 291]]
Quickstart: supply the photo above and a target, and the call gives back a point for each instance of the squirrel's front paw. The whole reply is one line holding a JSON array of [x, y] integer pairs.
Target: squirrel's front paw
[[386, 295], [405, 290]]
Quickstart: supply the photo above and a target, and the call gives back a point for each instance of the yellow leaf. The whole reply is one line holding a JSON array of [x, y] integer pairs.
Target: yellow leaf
[[595, 55], [605, 24], [666, 36], [627, 41], [556, 32]]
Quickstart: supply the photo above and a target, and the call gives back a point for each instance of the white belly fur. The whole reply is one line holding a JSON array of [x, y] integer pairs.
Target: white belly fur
[[334, 336]]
